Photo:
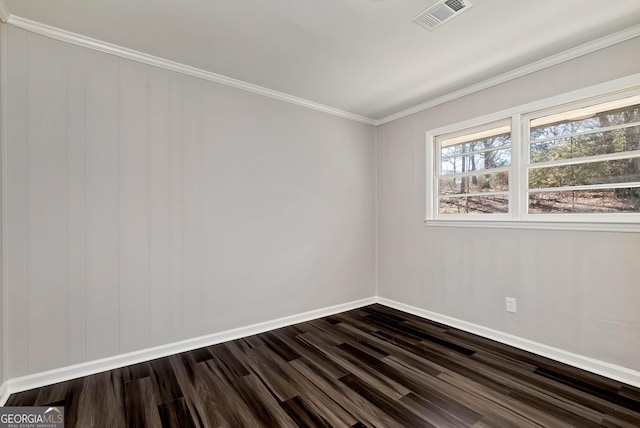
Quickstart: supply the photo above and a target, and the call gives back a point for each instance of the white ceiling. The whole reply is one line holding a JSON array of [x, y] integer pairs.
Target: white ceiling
[[362, 56]]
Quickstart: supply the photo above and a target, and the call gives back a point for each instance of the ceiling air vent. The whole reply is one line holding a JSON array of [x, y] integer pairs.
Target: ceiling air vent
[[441, 12]]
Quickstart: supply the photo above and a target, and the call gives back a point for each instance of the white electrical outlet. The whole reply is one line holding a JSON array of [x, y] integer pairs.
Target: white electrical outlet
[[511, 305]]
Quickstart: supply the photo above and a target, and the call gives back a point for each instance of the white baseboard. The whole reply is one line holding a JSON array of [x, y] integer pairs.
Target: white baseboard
[[4, 393], [612, 371], [37, 380], [62, 374]]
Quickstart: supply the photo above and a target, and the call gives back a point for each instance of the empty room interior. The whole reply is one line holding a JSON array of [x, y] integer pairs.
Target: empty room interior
[[321, 213]]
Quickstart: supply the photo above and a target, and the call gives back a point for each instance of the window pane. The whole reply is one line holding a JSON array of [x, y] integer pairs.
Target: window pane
[[598, 143], [614, 171], [480, 144], [474, 205], [586, 201], [495, 182], [584, 120], [476, 162]]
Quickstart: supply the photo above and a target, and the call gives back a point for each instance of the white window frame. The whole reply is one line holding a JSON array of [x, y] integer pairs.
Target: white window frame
[[518, 216], [438, 161]]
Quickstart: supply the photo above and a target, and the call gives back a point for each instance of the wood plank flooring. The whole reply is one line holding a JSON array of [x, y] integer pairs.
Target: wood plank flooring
[[370, 367]]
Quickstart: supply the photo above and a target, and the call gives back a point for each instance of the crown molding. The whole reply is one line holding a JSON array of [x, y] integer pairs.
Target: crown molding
[[88, 42], [561, 57], [4, 12]]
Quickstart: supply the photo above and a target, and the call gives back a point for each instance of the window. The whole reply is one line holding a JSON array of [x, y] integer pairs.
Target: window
[[575, 162], [585, 160], [473, 170]]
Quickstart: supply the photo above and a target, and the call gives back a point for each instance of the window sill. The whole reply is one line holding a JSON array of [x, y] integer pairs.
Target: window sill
[[536, 225]]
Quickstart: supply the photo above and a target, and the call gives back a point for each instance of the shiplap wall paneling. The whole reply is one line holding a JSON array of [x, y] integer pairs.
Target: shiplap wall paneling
[[134, 189], [212, 203], [146, 207], [47, 202], [612, 308], [2, 205], [576, 290], [102, 205], [160, 186], [177, 211], [15, 251], [192, 205], [76, 273]]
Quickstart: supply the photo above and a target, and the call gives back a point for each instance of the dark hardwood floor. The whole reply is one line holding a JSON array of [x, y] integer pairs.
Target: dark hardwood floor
[[370, 367]]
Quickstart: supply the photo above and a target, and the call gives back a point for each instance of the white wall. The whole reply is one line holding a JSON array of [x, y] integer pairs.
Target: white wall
[[2, 320], [145, 207], [577, 291]]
